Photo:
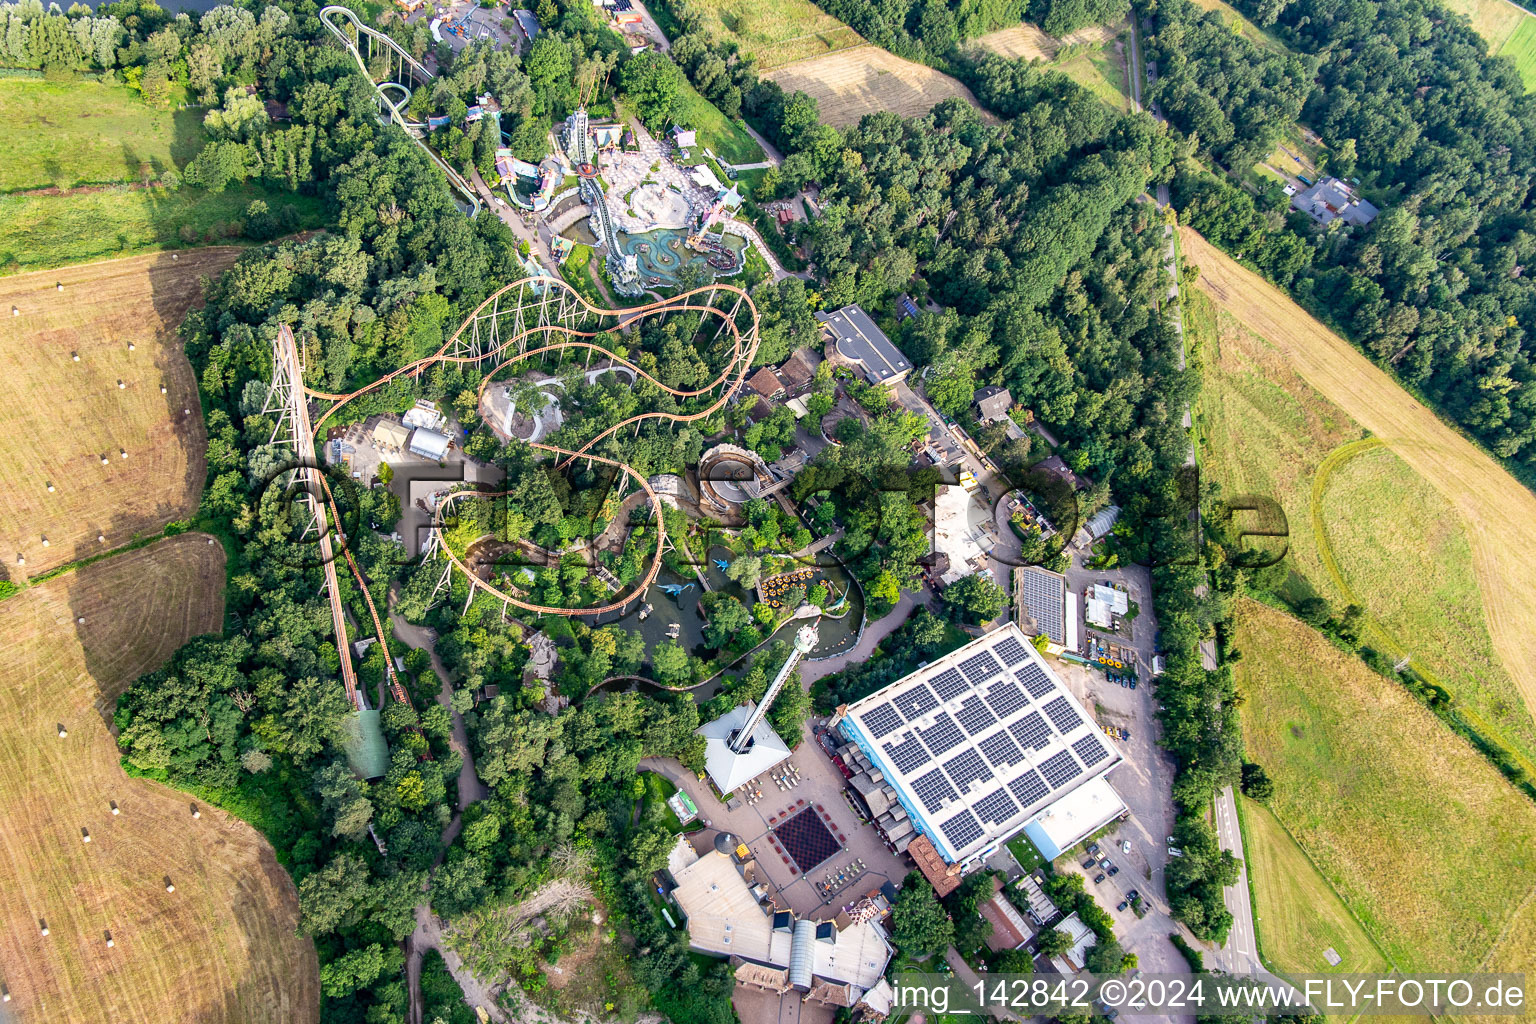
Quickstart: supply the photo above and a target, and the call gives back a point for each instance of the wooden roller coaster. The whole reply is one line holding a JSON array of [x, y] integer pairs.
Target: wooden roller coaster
[[486, 336]]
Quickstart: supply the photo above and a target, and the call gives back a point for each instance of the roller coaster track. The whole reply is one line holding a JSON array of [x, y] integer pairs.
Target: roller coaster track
[[468, 345], [337, 21]]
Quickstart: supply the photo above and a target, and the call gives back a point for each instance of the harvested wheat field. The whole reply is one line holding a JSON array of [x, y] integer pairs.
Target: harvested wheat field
[[865, 79], [65, 416], [223, 946], [1029, 42], [1499, 514]]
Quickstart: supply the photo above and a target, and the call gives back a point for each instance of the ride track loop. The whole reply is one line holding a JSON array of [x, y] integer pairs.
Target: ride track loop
[[743, 351]]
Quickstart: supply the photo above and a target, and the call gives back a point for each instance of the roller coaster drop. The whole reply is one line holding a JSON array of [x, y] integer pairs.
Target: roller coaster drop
[[499, 331], [402, 75]]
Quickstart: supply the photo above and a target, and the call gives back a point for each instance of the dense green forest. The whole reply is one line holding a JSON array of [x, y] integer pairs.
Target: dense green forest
[[1440, 137]]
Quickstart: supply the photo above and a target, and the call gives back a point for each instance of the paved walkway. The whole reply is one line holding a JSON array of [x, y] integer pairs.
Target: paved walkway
[[874, 632], [428, 933], [1240, 954]]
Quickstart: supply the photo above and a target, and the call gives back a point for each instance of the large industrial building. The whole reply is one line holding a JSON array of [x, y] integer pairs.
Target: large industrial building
[[985, 742]]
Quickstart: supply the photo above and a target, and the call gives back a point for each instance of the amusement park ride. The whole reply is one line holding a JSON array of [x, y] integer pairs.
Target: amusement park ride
[[581, 147]]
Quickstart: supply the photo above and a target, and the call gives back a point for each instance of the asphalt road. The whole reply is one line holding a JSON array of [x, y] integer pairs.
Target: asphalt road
[[1240, 954]]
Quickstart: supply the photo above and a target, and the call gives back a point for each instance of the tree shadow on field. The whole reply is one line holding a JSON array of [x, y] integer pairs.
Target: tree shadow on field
[[176, 282]]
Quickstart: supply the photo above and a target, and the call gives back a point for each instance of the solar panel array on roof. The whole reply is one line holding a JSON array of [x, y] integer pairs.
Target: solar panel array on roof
[[1031, 731], [1005, 697], [942, 734], [996, 807], [949, 684], [934, 790], [1043, 593], [1060, 768], [1062, 715], [973, 715], [967, 767], [916, 702], [1011, 651], [961, 830], [979, 667], [1001, 750], [1029, 788], [1091, 749], [907, 755], [880, 720], [1035, 681]]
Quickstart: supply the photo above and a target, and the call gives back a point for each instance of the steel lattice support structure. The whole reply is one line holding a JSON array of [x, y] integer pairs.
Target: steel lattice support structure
[[287, 399], [402, 74], [535, 316]]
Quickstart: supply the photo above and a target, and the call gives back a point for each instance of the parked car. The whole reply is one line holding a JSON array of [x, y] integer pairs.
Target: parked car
[[1125, 734], [1098, 878], [1125, 846], [1103, 862], [1122, 905], [1088, 864], [1134, 895], [1174, 851], [1093, 848], [1171, 840], [1133, 684], [1113, 871]]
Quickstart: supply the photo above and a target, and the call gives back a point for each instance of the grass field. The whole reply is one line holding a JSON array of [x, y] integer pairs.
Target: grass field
[[1520, 47], [1093, 59], [1497, 515], [727, 139], [64, 416], [1299, 914], [1397, 542], [38, 232], [223, 947], [1427, 843], [776, 34], [69, 133], [851, 83]]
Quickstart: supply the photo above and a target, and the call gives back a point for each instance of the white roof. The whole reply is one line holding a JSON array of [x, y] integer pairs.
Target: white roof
[[1098, 613], [391, 434], [704, 177], [952, 533], [729, 770], [798, 407], [1118, 600], [980, 743], [429, 443], [725, 918], [1082, 938], [1080, 813]]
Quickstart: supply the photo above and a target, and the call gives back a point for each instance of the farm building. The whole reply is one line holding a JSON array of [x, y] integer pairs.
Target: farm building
[[429, 444], [853, 336], [984, 742], [828, 963], [1331, 199]]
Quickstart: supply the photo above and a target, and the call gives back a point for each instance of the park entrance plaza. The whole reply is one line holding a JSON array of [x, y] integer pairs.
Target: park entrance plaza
[[761, 824]]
